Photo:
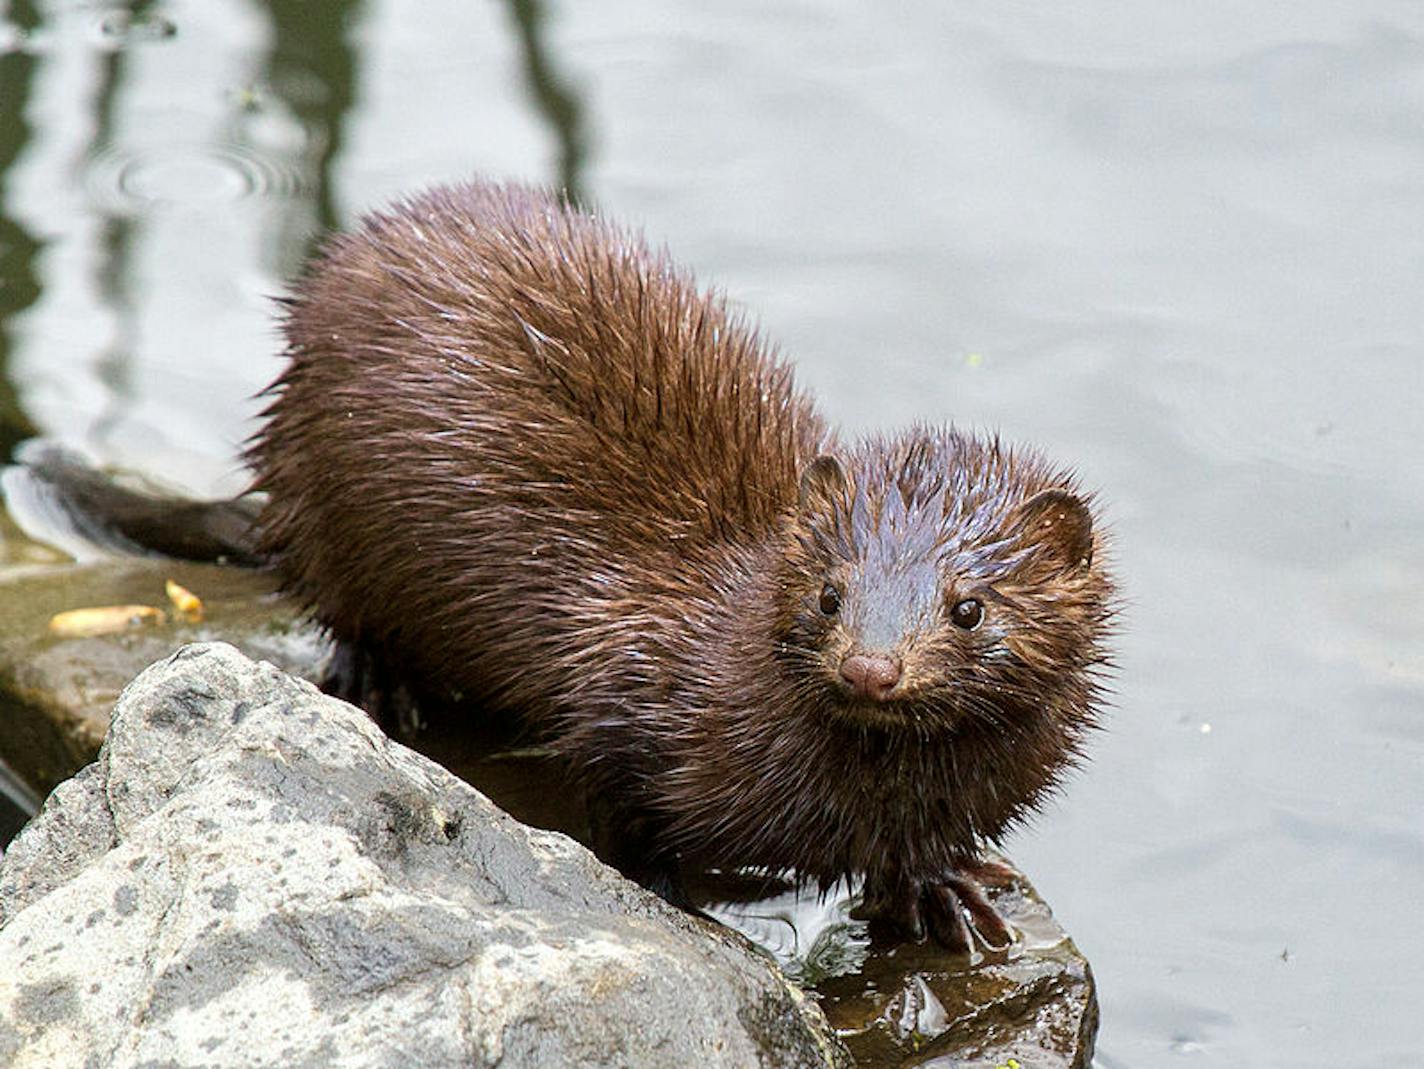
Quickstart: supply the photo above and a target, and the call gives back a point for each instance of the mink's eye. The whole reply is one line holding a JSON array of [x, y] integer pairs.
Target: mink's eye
[[967, 613], [830, 600]]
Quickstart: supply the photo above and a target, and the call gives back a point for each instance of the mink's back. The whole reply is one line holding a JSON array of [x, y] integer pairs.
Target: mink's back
[[504, 423]]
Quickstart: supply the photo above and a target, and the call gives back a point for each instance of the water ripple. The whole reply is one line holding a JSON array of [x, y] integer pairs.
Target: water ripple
[[126, 181], [119, 28]]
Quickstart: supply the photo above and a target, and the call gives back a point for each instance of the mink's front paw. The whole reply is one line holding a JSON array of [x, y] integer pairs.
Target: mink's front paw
[[935, 907]]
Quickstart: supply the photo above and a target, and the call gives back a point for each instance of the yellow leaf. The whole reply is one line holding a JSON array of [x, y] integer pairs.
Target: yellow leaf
[[184, 600], [103, 620]]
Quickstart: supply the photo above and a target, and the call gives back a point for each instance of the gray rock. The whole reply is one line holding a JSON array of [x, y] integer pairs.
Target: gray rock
[[252, 874]]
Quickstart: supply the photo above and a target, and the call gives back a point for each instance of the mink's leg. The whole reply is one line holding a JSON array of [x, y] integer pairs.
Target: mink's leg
[[345, 675], [629, 841], [913, 908], [891, 903], [360, 675]]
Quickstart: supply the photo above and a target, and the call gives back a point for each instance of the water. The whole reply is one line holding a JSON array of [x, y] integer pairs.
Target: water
[[1178, 246]]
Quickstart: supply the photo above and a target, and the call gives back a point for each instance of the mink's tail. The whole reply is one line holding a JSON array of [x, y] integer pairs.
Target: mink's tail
[[59, 498]]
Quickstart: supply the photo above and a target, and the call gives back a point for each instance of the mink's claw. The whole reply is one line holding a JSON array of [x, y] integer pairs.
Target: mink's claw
[[916, 908], [992, 928]]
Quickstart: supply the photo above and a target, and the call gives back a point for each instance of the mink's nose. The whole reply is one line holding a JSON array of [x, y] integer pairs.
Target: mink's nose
[[871, 675]]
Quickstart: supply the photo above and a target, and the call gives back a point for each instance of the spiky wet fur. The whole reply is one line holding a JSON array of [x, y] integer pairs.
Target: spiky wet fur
[[520, 455]]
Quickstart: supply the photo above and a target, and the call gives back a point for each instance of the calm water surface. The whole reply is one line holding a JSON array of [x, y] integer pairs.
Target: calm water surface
[[1179, 246]]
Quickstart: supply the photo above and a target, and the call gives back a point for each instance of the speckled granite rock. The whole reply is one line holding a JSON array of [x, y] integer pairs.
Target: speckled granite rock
[[251, 874]]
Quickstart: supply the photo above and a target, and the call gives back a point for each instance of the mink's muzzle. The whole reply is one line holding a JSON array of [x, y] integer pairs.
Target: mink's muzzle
[[871, 676]]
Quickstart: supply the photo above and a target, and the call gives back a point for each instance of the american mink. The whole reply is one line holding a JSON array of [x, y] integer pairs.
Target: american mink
[[518, 454], [518, 458]]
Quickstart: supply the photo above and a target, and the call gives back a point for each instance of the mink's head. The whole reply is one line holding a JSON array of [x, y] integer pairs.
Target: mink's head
[[944, 583]]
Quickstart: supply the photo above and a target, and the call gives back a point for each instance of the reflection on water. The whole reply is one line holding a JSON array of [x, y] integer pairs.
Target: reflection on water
[[809, 933], [125, 27], [552, 95], [311, 68], [1175, 245], [113, 265], [19, 285], [233, 177]]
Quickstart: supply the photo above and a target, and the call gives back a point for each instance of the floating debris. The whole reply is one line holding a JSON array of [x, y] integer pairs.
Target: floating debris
[[104, 620], [184, 600]]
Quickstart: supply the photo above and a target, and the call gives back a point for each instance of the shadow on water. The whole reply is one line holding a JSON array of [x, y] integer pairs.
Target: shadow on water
[[553, 97], [19, 286]]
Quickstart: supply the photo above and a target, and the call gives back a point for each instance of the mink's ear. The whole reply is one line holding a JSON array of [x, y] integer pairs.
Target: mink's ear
[[823, 481], [1059, 524]]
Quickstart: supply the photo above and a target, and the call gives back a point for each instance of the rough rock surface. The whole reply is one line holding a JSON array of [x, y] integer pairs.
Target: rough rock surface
[[252, 874]]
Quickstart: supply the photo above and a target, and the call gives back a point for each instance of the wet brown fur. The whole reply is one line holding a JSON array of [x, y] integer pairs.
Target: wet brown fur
[[517, 452]]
